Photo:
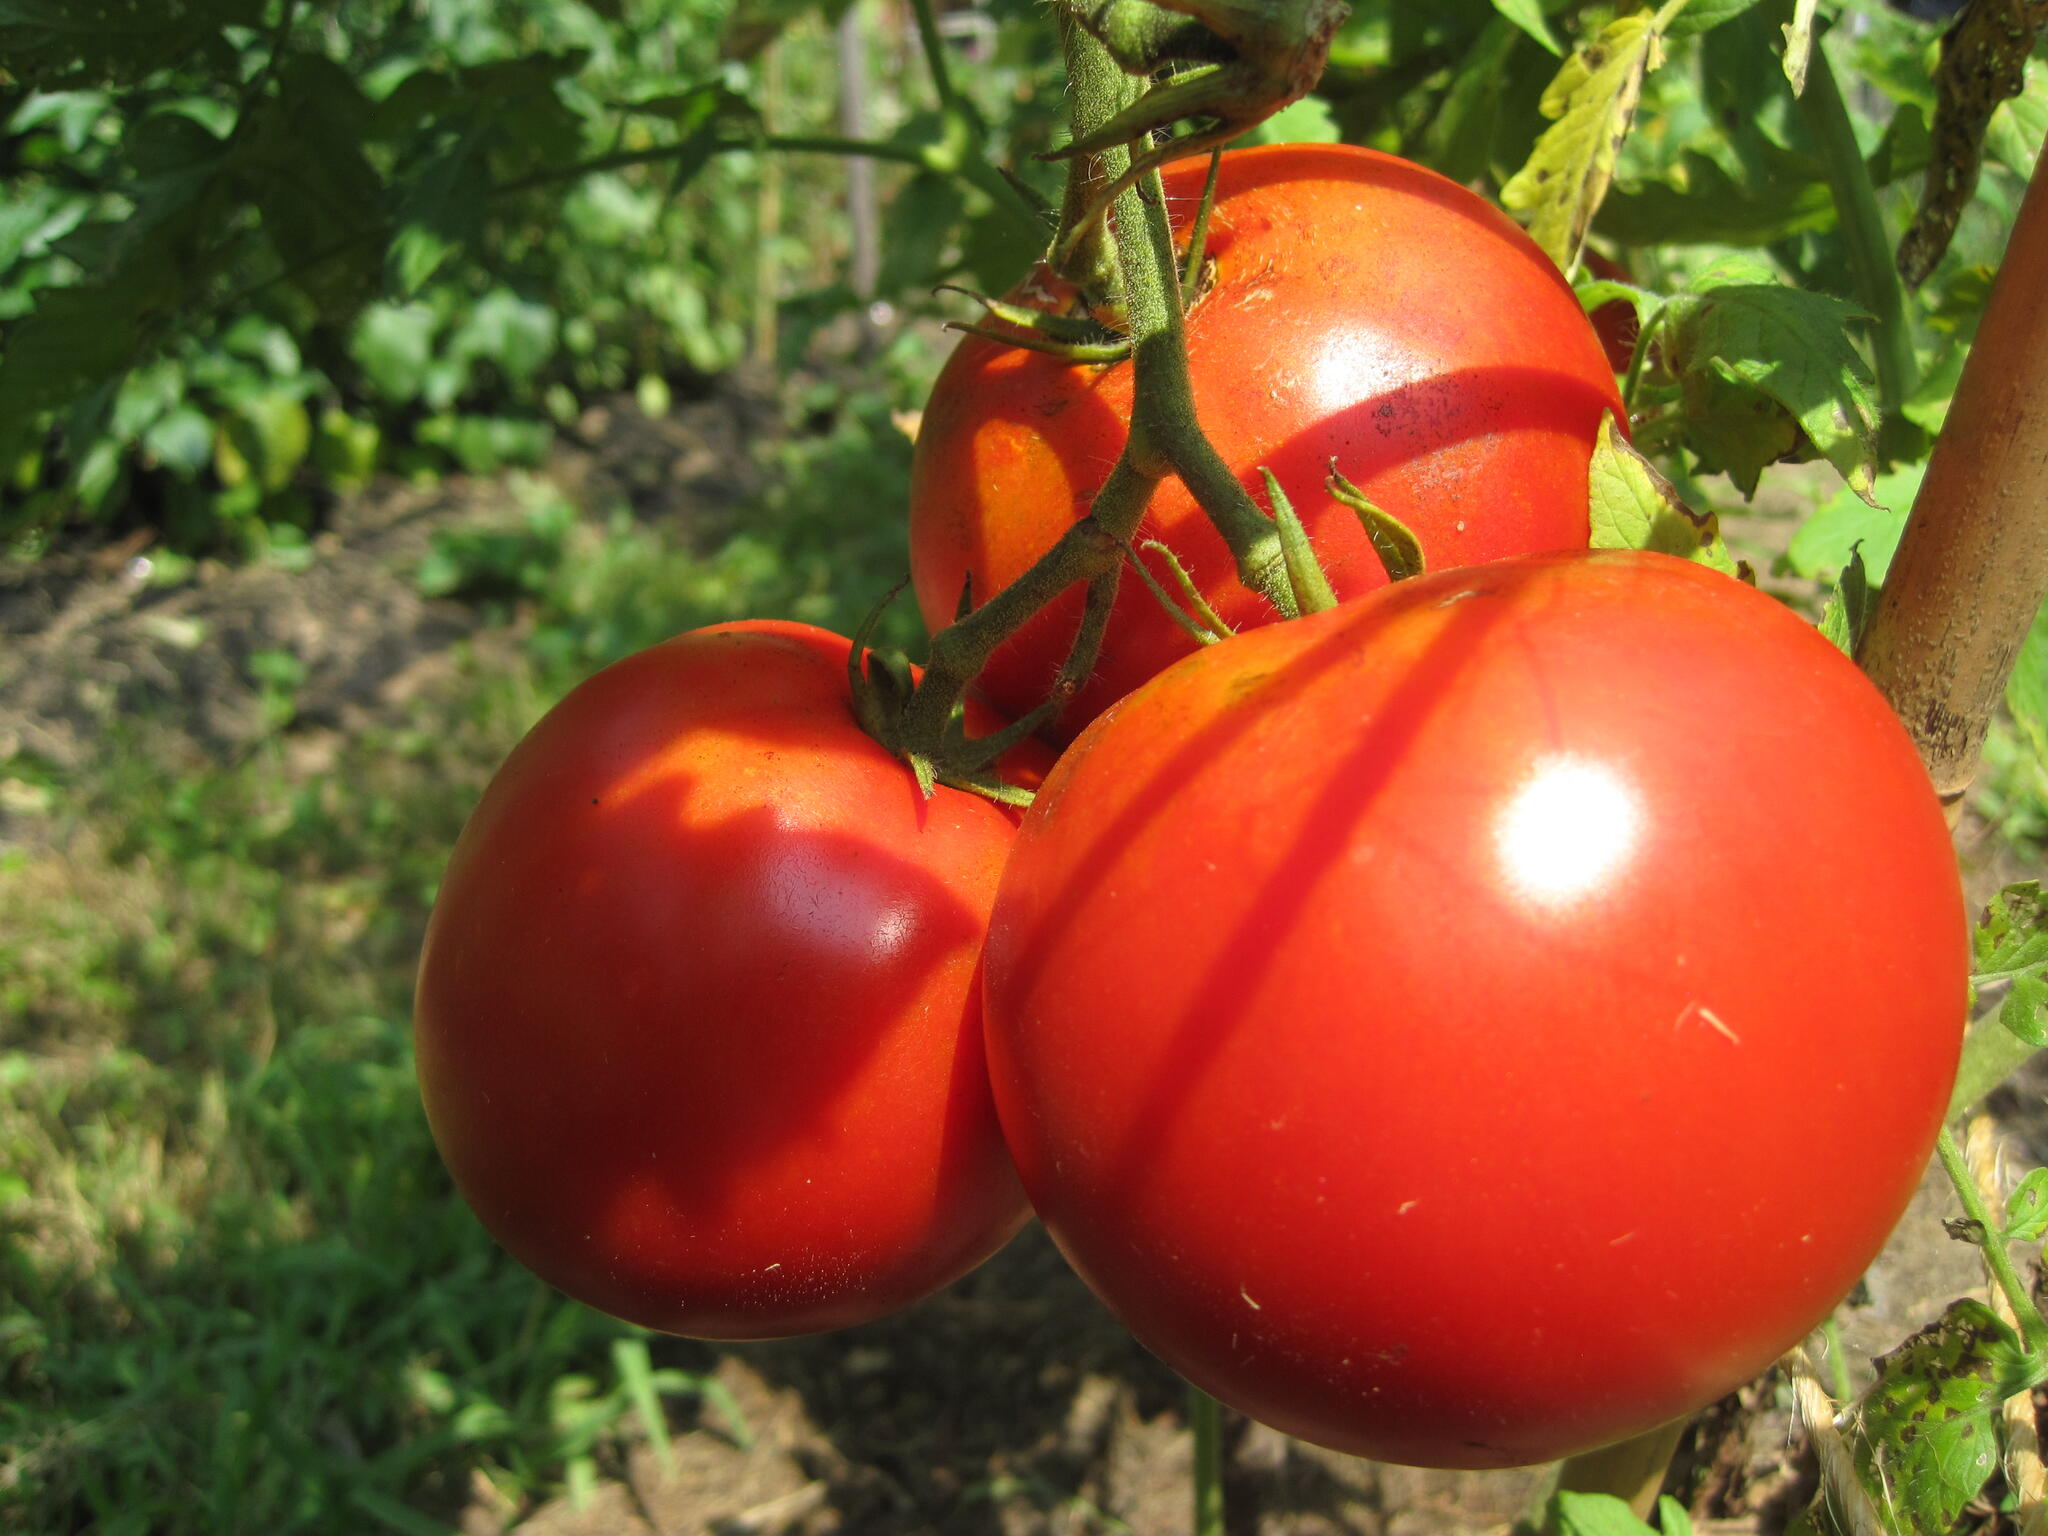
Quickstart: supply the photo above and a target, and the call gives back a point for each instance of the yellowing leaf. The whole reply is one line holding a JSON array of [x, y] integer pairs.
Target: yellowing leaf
[[1799, 44], [1593, 98], [1633, 506]]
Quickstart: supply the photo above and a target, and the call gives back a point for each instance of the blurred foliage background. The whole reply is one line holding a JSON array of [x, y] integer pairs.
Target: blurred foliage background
[[283, 281]]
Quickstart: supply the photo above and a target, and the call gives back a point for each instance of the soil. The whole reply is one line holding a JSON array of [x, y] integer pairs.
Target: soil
[[1012, 1404]]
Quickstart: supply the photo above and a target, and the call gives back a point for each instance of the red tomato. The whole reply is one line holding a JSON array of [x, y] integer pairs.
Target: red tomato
[[1363, 309], [698, 1024], [1485, 1021], [1615, 322]]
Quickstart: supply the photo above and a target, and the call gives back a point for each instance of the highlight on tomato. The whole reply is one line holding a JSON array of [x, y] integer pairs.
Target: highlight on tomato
[[698, 1021], [1488, 1020], [1355, 307]]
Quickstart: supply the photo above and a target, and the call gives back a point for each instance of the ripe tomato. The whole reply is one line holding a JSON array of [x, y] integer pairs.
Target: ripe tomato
[[698, 1023], [1487, 1020], [1361, 308]]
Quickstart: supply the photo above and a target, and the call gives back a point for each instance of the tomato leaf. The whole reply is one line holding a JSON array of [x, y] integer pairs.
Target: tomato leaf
[[1800, 43], [1593, 100], [1757, 362], [1704, 15], [1848, 523], [1312, 592], [2026, 690], [2026, 1208], [1594, 1514], [1633, 506], [1847, 613], [2012, 941], [1926, 1432], [1399, 551], [1528, 15]]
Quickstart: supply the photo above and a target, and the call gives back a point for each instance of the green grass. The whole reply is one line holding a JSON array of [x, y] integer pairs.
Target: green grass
[[237, 1291]]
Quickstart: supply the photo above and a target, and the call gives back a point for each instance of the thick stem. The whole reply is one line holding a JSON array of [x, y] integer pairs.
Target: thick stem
[[1862, 226], [1097, 91], [1163, 402], [1206, 1418], [1632, 1470], [1972, 567]]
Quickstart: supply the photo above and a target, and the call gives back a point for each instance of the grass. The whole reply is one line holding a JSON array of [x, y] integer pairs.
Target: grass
[[237, 1291]]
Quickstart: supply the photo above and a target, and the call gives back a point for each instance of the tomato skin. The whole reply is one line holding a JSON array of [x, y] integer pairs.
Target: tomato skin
[[698, 1021], [1362, 308], [1487, 1020]]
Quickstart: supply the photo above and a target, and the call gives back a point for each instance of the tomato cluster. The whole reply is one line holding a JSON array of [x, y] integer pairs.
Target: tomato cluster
[[1467, 1026], [1357, 309]]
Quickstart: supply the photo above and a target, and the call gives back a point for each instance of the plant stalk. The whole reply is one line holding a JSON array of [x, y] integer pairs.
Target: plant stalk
[[1972, 566], [1996, 1258], [1206, 1418], [1632, 1470], [1870, 257]]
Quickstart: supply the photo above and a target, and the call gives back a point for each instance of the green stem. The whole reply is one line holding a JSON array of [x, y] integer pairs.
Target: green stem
[[1205, 1417], [1632, 1470], [2032, 1329], [1163, 423], [934, 53], [1991, 1054], [1870, 259]]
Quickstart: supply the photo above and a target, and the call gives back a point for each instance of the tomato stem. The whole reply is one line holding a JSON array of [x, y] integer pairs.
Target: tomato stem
[[1996, 1258], [1863, 234], [1206, 1418], [1632, 1470]]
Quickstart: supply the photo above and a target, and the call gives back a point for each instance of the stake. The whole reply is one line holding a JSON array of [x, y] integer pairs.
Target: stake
[[1972, 566]]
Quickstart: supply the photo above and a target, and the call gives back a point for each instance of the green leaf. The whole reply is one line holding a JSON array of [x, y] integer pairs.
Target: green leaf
[[2026, 690], [317, 195], [181, 440], [1633, 506], [1847, 613], [1593, 100], [77, 337], [2026, 1208], [439, 212], [1306, 121], [2025, 1010], [392, 344], [1459, 142], [2020, 124], [1593, 1514], [1846, 522], [1393, 541], [517, 336], [636, 1375], [1741, 344], [78, 42], [1528, 15], [272, 433], [1925, 1434], [1703, 16], [1800, 43], [1311, 587], [2011, 945], [1701, 203]]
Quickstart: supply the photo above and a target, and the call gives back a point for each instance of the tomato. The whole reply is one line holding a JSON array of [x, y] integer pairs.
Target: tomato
[[698, 1022], [1487, 1020], [1615, 322], [1361, 308]]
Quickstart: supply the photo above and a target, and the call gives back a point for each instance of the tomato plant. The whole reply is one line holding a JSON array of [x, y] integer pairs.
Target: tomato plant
[[1488, 1020], [698, 1027], [1357, 308]]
